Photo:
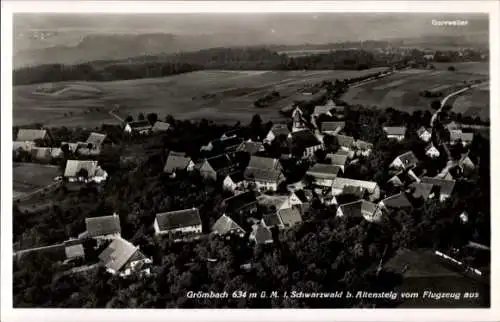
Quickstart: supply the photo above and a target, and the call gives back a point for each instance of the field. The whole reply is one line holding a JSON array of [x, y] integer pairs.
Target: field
[[222, 96], [29, 177], [401, 90], [472, 103]]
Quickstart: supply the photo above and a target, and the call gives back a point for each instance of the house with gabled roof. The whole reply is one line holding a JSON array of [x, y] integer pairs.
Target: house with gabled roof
[[102, 228], [234, 182], [324, 109], [421, 190], [45, 154], [339, 160], [177, 161], [218, 167], [404, 161], [395, 202], [290, 216], [332, 127], [32, 135], [301, 198], [360, 209], [274, 202], [251, 147], [263, 179], [225, 225], [26, 146], [431, 151], [73, 249], [395, 132], [123, 258], [457, 136], [272, 220], [84, 171], [323, 174], [261, 234], [403, 178], [243, 203], [371, 188], [424, 134], [160, 126], [93, 145], [265, 163], [179, 224], [138, 127], [345, 142], [445, 187], [306, 141], [276, 131], [225, 145]]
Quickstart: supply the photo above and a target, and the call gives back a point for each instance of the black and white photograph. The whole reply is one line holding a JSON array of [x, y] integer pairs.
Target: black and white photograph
[[249, 160]]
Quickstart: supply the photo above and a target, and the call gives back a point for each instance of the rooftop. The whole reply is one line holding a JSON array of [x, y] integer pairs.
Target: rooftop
[[96, 139], [104, 225], [30, 134], [225, 224], [117, 254], [290, 216], [178, 219], [397, 201], [176, 161], [74, 166], [395, 130]]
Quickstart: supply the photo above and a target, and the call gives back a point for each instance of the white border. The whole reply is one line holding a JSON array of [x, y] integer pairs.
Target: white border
[[8, 314]]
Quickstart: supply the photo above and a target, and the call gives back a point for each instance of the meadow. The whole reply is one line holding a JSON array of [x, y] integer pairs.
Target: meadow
[[218, 95], [29, 177]]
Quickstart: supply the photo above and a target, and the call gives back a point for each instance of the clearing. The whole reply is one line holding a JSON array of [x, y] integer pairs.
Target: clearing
[[219, 95], [30, 177]]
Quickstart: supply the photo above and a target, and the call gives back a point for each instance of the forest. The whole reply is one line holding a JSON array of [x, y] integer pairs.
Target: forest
[[324, 253]]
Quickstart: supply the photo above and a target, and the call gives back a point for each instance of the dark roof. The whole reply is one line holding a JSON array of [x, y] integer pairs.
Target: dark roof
[[262, 174], [226, 144], [355, 191], [272, 220], [176, 161], [105, 225], [409, 159], [337, 159], [446, 186], [304, 195], [237, 177], [225, 224], [397, 201], [233, 132], [345, 141], [117, 254], [261, 234], [320, 170], [395, 130], [239, 201], [332, 126], [290, 216], [140, 124], [422, 190], [305, 138], [220, 162], [264, 163], [178, 219], [358, 208], [251, 147]]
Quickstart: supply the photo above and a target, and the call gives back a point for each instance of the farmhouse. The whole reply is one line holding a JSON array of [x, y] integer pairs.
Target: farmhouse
[[332, 128], [404, 161], [431, 151], [360, 209], [424, 134], [177, 161], [138, 127], [225, 225], [289, 216], [337, 159], [395, 132], [218, 167], [263, 179], [102, 228], [180, 223], [251, 147], [234, 182], [372, 188], [277, 131], [261, 234], [160, 126], [306, 141], [272, 220], [123, 258], [241, 204], [33, 135], [395, 202], [84, 171], [444, 187], [323, 174]]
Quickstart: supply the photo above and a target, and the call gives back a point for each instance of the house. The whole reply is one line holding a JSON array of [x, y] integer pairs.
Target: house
[[225, 225], [273, 220], [26, 146], [273, 202], [323, 109], [332, 128], [160, 126], [102, 228], [84, 171], [346, 142], [431, 151], [264, 163], [395, 202], [235, 132], [429, 57], [179, 223], [74, 249], [306, 140], [424, 134], [421, 190], [261, 234], [226, 145], [302, 198], [45, 154], [363, 148], [290, 216], [177, 161], [234, 182], [395, 132], [452, 126], [123, 258], [263, 179], [405, 161], [138, 127], [240, 204], [33, 135], [72, 147], [444, 187], [218, 167], [360, 209], [372, 188], [250, 147], [403, 178], [338, 160], [457, 136], [276, 131], [323, 174]]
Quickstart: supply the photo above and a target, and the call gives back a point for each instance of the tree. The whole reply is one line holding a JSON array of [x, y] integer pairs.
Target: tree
[[152, 118], [129, 118], [435, 104], [141, 117], [82, 173], [451, 69]]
